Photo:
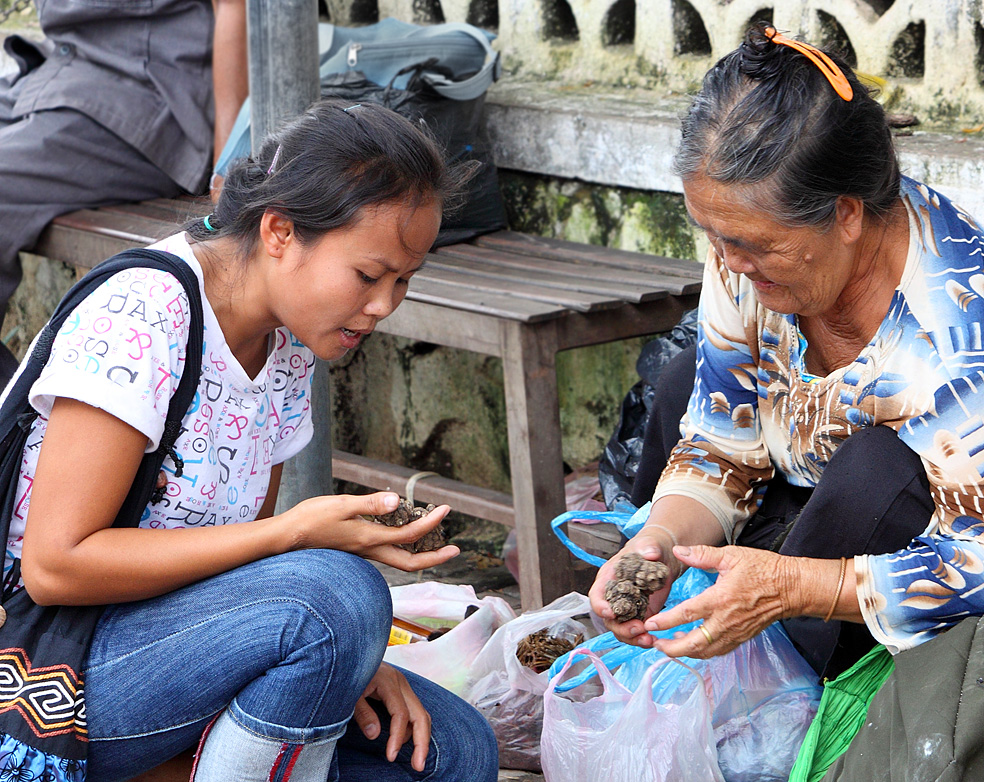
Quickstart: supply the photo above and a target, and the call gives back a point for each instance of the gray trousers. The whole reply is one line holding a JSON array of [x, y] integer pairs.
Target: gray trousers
[[53, 162]]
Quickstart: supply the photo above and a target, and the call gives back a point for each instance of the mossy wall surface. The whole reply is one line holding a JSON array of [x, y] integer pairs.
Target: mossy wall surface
[[440, 409], [44, 284]]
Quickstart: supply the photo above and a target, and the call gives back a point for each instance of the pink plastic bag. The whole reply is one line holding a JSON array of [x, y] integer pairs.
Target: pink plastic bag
[[623, 736], [446, 660]]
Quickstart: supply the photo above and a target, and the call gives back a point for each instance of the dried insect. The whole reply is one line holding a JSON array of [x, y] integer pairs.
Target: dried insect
[[538, 650]]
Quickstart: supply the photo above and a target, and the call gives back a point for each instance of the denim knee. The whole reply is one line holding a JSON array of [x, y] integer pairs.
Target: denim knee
[[331, 612], [334, 584], [345, 591]]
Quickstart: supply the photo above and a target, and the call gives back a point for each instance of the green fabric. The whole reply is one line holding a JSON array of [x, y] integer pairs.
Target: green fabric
[[841, 714]]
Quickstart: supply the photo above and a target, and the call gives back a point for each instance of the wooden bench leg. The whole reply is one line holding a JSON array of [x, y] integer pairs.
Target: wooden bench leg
[[535, 459]]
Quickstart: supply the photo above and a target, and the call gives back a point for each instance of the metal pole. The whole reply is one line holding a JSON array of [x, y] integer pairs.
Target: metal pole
[[283, 61], [283, 82]]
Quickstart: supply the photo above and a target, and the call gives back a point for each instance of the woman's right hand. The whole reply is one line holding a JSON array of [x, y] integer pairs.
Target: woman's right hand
[[650, 543], [337, 522]]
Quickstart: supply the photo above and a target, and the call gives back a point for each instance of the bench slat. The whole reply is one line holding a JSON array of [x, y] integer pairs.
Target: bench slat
[[541, 247], [129, 227], [578, 267], [507, 275], [628, 285], [79, 248], [574, 300], [473, 500], [170, 218], [497, 305]]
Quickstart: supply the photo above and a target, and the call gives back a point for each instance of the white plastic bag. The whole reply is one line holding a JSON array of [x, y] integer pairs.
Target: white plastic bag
[[764, 696], [510, 695], [763, 693], [624, 736], [446, 660]]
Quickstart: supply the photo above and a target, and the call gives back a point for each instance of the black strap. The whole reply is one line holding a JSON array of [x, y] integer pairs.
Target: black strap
[[16, 410]]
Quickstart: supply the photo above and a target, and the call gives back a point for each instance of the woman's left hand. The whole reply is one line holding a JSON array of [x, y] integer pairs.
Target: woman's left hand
[[753, 590], [408, 717]]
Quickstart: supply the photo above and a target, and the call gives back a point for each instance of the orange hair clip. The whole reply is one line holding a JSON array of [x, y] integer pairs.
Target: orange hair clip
[[827, 67]]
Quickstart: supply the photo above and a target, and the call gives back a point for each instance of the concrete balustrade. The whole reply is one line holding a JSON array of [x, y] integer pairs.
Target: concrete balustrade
[[932, 51]]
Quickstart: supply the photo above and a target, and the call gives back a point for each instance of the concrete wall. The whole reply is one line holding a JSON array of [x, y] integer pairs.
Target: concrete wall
[[931, 51]]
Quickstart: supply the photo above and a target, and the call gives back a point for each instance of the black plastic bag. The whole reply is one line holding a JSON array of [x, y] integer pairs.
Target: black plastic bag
[[619, 463], [458, 126]]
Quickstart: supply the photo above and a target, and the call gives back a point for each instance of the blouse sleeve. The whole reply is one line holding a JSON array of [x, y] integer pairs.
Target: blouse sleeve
[[912, 595], [722, 459]]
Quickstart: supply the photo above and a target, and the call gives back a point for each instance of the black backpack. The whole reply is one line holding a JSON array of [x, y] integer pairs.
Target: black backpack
[[43, 712]]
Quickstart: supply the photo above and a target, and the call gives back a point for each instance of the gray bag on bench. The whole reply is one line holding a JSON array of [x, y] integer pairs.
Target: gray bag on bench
[[438, 74]]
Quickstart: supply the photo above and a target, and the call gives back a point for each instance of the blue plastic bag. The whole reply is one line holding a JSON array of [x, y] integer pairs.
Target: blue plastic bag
[[626, 517], [764, 694]]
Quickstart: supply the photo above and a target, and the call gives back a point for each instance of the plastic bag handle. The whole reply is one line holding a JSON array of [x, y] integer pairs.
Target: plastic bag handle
[[609, 681], [571, 546], [616, 654]]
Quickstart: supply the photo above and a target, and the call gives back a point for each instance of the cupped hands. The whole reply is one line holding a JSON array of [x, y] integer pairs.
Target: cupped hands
[[338, 522], [654, 545]]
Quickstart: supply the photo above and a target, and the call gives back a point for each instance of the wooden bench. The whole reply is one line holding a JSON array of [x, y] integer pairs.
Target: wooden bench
[[518, 297]]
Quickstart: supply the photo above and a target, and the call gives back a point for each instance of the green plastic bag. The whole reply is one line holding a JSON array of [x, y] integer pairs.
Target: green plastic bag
[[842, 711]]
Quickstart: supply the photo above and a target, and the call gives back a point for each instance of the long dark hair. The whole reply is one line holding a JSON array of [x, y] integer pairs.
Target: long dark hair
[[320, 169], [766, 114]]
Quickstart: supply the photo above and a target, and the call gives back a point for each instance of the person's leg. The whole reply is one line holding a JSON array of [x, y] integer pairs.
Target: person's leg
[[672, 393], [281, 649], [873, 498], [462, 745], [53, 162]]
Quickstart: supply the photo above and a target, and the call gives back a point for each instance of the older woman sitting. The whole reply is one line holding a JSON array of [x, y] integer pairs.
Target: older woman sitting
[[833, 439]]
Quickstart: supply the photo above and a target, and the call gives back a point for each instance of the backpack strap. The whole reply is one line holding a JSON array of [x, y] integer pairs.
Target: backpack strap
[[16, 411]]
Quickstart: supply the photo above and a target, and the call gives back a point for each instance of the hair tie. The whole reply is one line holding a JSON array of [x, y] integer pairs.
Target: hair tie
[[276, 157], [827, 66], [208, 226]]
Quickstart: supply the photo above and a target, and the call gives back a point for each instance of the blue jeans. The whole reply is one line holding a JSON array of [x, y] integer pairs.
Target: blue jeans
[[286, 645]]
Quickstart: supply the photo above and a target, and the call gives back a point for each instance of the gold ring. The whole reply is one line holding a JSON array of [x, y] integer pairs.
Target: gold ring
[[707, 634]]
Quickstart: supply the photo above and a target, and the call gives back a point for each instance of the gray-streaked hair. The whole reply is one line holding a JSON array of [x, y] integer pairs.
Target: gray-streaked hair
[[766, 115]]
